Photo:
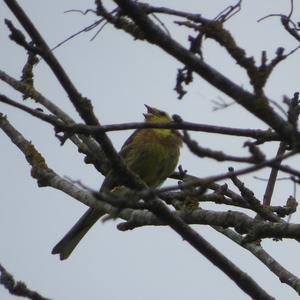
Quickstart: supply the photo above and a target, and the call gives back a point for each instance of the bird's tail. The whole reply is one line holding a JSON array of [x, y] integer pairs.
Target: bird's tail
[[68, 243]]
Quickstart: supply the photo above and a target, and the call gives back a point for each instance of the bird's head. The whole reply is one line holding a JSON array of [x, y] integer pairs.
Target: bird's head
[[168, 136], [155, 115]]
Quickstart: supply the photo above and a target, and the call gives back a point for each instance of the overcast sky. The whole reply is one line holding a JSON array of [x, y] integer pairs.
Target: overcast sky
[[120, 75]]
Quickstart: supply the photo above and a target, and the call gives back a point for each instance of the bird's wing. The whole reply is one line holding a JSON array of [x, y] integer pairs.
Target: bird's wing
[[127, 145], [111, 180]]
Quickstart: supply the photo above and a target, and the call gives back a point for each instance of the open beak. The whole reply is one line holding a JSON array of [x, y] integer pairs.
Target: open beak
[[151, 111]]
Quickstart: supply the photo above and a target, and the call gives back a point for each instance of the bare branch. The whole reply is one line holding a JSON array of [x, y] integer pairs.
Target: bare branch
[[17, 288], [85, 144], [273, 176], [274, 266], [81, 104], [249, 196], [46, 175], [217, 155], [258, 106]]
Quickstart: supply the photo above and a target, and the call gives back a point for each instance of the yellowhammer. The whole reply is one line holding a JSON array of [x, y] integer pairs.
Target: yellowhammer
[[150, 153]]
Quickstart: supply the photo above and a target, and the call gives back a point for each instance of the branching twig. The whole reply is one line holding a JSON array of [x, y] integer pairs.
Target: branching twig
[[274, 266], [207, 181], [217, 155], [86, 145], [71, 127], [135, 18], [45, 176], [81, 104], [258, 105]]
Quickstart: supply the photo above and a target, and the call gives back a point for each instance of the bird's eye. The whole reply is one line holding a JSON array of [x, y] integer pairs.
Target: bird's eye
[[162, 113]]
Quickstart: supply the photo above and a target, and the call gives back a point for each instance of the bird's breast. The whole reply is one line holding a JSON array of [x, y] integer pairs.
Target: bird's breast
[[153, 157]]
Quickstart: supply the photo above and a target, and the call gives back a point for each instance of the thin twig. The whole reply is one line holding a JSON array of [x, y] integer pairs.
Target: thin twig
[[17, 288], [274, 266], [257, 105], [273, 176], [87, 145], [200, 151], [208, 180], [261, 135], [82, 105], [164, 214]]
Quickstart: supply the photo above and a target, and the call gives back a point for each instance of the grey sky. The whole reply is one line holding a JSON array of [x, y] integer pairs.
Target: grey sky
[[120, 75]]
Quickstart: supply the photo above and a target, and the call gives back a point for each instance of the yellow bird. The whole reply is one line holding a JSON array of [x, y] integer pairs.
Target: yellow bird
[[150, 153]]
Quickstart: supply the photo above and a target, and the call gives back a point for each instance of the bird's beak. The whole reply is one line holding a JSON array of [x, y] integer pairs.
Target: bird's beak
[[147, 116], [151, 111]]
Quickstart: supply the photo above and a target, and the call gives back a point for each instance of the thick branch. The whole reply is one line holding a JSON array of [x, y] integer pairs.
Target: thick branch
[[242, 279], [274, 266], [47, 177], [81, 104], [86, 145], [258, 106]]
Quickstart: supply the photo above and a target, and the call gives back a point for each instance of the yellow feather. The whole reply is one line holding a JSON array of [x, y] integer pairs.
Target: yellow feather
[[150, 153]]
